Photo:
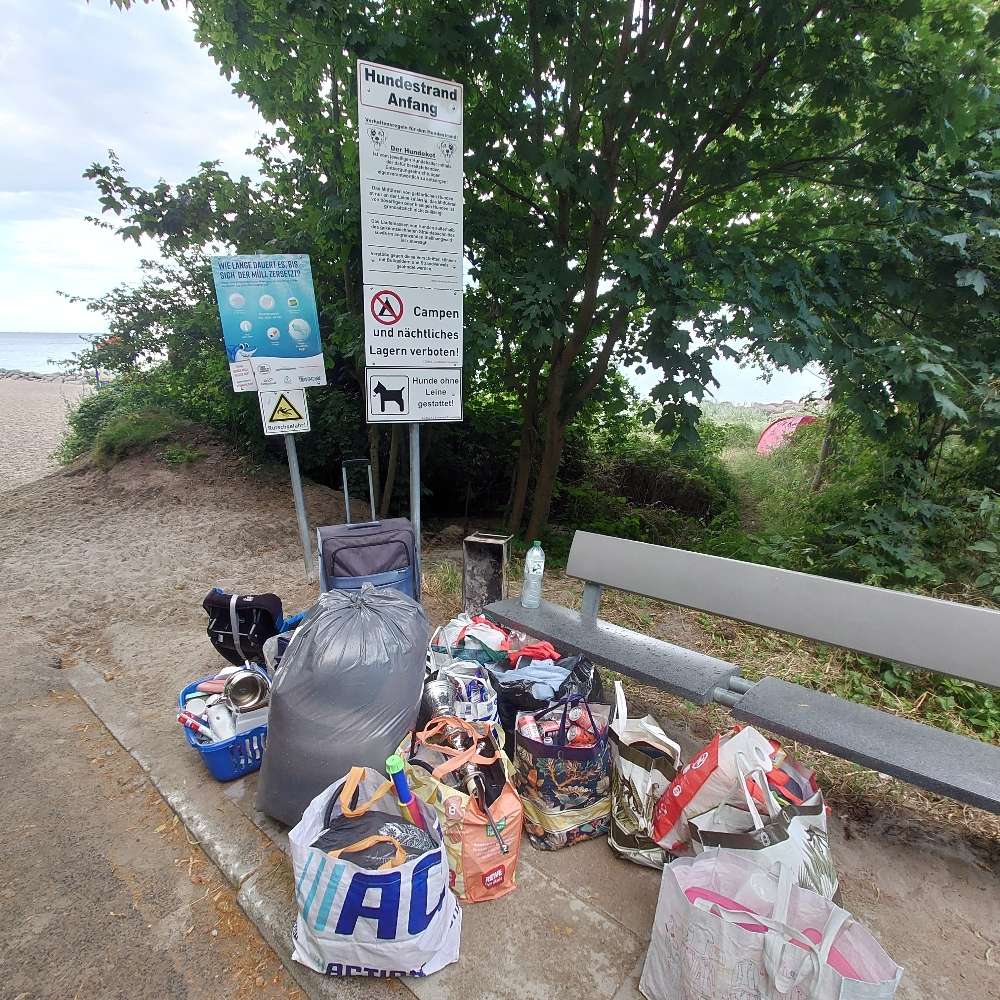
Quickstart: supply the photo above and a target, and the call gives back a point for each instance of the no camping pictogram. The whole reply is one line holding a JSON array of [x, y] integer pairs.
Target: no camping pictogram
[[284, 410], [387, 307]]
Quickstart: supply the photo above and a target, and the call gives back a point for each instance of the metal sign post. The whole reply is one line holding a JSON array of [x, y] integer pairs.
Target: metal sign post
[[415, 493], [300, 503], [286, 413], [270, 325], [410, 143]]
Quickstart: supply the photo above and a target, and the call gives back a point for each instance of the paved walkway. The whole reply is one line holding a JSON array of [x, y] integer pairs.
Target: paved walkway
[[579, 922], [114, 567], [102, 894]]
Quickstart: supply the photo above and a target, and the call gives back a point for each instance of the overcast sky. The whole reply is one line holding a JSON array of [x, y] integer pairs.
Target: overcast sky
[[77, 79]]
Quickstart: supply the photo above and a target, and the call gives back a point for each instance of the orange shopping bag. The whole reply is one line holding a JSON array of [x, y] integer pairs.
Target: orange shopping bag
[[482, 850]]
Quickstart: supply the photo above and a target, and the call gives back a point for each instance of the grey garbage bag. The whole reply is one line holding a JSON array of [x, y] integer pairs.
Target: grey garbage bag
[[345, 695]]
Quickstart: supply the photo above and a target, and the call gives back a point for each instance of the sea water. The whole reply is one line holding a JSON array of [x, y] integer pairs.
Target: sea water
[[39, 352]]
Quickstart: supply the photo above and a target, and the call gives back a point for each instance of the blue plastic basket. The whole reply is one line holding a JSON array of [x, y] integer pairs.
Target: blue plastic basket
[[232, 758]]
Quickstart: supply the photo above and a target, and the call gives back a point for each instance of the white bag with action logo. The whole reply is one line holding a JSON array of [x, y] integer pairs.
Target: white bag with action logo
[[355, 921]]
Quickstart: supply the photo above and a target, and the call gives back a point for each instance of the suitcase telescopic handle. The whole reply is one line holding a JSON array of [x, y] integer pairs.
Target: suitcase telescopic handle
[[347, 494]]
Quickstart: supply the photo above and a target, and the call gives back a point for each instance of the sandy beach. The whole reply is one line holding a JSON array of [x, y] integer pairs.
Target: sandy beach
[[106, 571], [32, 423]]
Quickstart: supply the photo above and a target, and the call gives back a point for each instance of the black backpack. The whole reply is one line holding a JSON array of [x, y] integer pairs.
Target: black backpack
[[239, 624]]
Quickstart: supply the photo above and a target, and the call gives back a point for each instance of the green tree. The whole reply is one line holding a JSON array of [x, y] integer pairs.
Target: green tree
[[619, 153], [646, 180]]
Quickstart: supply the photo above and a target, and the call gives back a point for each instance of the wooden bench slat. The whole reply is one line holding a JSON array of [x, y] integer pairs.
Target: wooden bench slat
[[683, 672], [964, 769]]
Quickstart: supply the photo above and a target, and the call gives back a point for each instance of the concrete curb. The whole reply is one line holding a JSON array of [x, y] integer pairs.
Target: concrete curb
[[234, 844]]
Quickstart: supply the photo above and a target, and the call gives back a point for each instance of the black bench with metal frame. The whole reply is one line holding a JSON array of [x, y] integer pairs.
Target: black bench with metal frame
[[942, 636]]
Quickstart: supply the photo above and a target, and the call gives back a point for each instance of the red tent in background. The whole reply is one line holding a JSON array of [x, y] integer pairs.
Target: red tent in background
[[776, 434]]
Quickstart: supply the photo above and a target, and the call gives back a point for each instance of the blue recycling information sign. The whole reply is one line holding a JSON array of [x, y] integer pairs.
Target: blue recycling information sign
[[269, 321]]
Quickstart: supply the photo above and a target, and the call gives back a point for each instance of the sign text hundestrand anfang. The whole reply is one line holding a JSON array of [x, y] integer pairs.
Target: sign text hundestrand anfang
[[411, 178], [411, 147]]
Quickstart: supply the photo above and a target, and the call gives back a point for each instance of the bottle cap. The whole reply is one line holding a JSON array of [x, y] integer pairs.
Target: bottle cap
[[537, 542], [393, 764]]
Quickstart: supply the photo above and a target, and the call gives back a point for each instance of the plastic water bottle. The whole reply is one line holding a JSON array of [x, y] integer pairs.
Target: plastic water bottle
[[534, 567]]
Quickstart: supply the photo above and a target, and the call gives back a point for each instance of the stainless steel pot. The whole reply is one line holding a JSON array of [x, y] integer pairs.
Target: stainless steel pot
[[247, 690]]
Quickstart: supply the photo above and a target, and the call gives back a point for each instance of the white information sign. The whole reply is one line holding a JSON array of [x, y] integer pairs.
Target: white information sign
[[411, 147], [418, 327], [284, 412], [413, 395], [410, 139]]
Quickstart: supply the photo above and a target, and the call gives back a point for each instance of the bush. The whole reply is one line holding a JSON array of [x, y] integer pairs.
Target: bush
[[101, 415], [639, 486], [201, 392], [85, 421], [131, 432], [879, 518], [740, 435], [468, 468]]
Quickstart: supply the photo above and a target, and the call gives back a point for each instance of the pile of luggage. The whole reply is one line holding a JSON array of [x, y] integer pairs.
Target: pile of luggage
[[409, 761], [225, 715]]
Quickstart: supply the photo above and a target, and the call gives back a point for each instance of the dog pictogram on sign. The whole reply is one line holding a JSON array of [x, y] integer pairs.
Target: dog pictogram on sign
[[390, 393], [386, 307], [413, 395]]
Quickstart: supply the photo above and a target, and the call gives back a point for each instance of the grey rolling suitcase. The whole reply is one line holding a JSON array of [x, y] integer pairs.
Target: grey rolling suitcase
[[382, 553]]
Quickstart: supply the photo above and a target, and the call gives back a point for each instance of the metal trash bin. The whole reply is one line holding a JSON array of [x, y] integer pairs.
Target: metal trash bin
[[484, 570]]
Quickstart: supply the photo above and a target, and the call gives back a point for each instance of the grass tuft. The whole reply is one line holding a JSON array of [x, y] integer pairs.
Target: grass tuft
[[182, 454], [132, 432], [442, 579]]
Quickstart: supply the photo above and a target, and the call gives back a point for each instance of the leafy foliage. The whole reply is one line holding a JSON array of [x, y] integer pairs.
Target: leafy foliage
[[881, 518], [646, 182], [633, 484], [132, 432], [660, 185]]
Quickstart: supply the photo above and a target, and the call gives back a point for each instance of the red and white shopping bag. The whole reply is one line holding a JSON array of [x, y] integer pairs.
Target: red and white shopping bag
[[708, 780]]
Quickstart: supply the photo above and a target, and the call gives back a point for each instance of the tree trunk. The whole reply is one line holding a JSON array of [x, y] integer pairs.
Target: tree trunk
[[468, 500], [824, 454], [554, 429], [522, 475], [548, 469], [522, 472], [390, 471]]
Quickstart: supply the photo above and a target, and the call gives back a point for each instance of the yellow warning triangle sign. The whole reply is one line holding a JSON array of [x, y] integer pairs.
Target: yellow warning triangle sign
[[284, 410]]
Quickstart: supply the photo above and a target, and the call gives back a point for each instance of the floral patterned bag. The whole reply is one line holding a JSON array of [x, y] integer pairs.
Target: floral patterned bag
[[565, 788]]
